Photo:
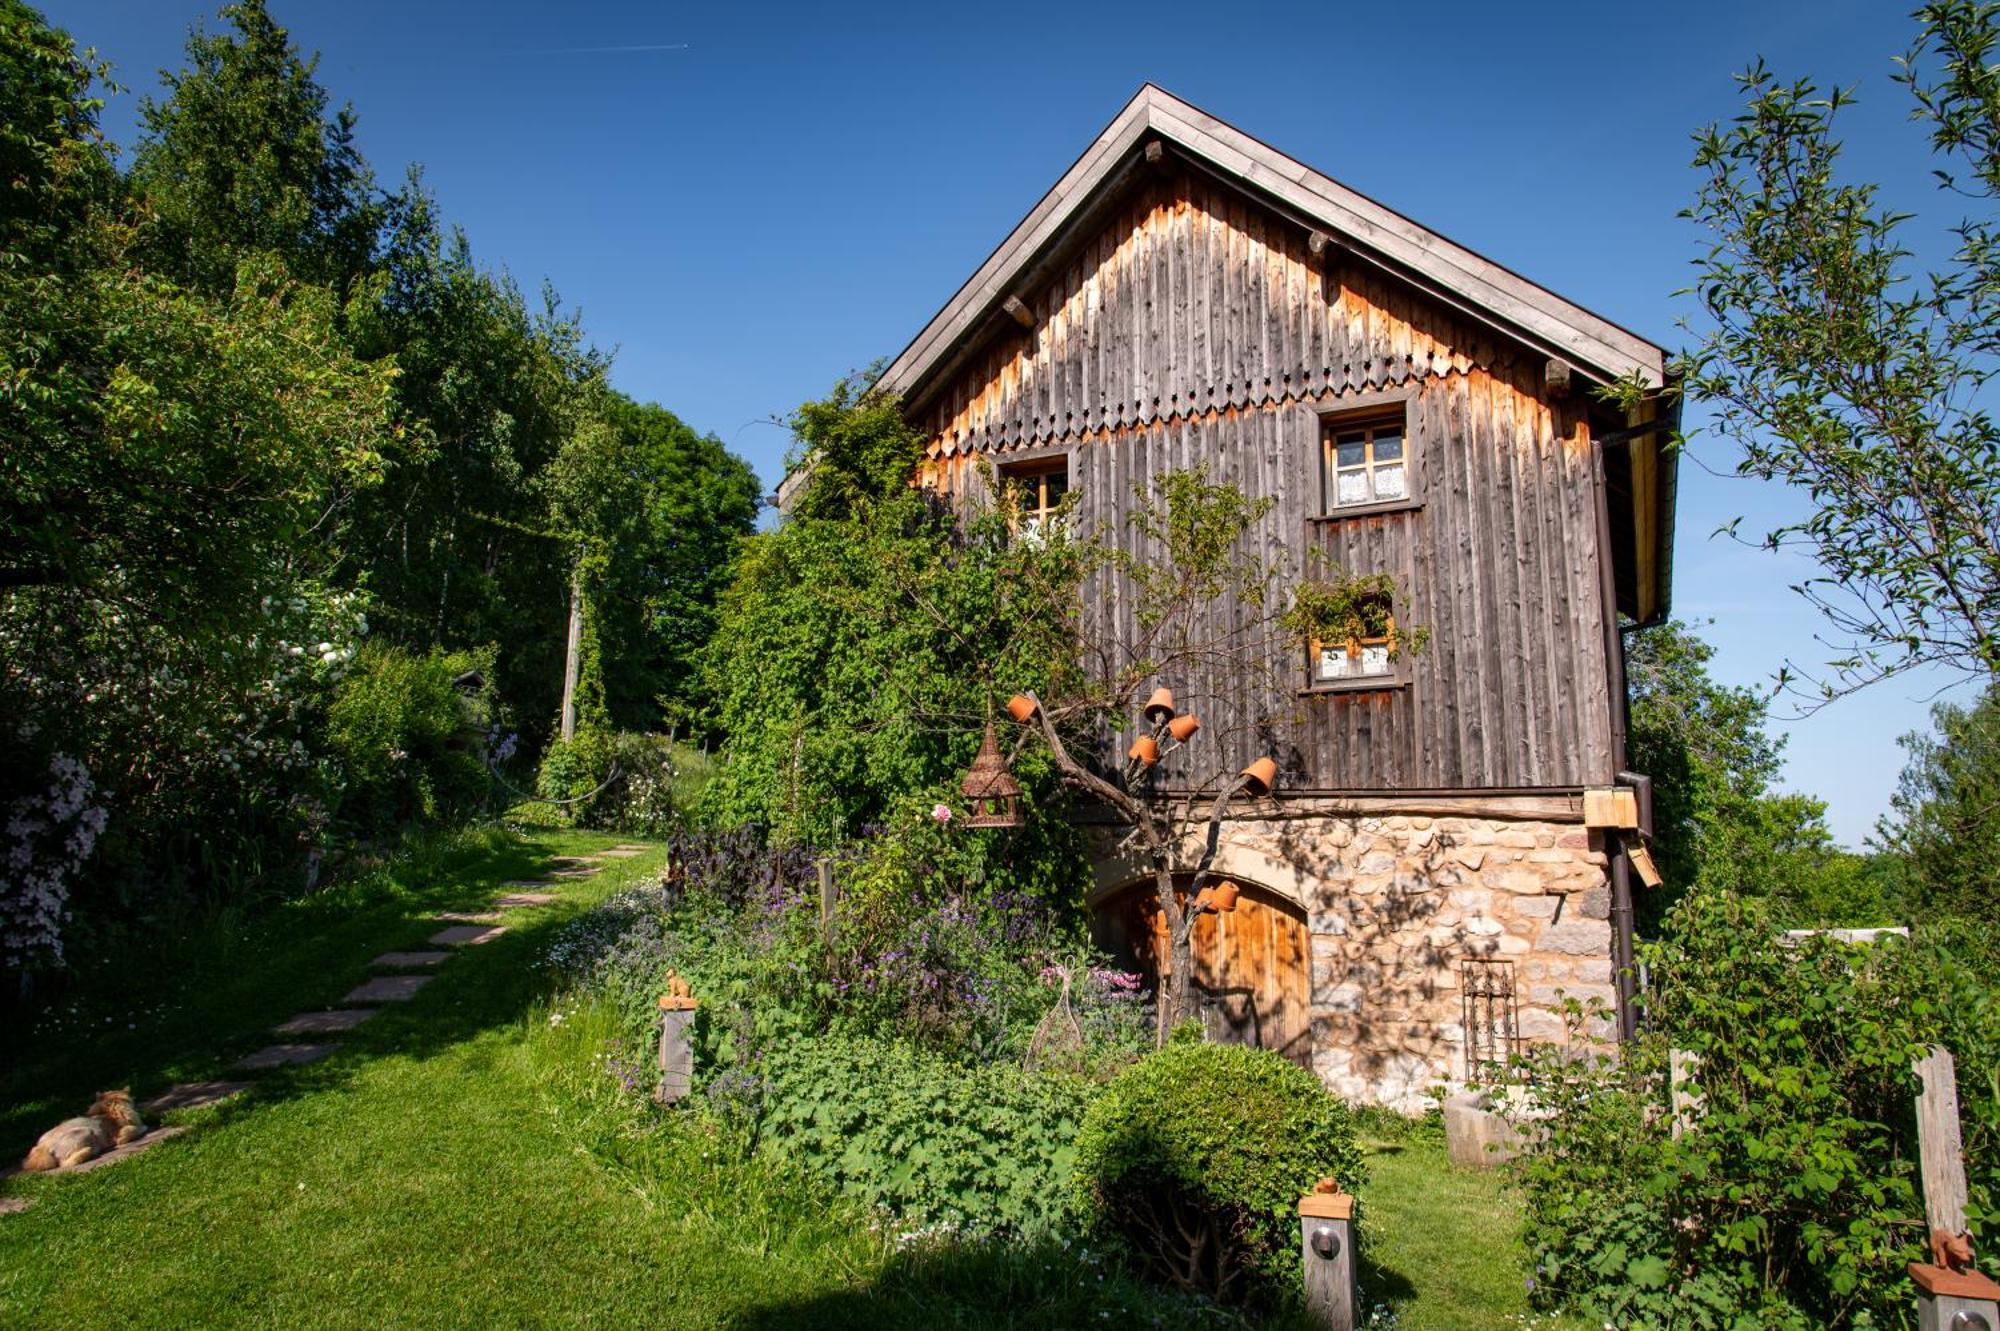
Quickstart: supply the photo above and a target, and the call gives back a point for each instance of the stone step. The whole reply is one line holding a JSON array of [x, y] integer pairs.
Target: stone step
[[465, 935], [401, 960], [576, 873], [635, 847], [125, 1152], [284, 1056], [193, 1095], [529, 882], [387, 989], [516, 900], [618, 853], [467, 916], [15, 1205], [325, 1023]]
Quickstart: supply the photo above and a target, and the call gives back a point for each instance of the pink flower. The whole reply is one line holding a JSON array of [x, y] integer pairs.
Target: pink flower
[[940, 814]]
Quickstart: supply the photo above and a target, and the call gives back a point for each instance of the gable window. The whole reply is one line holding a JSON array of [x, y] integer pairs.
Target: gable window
[[1038, 489], [1369, 654], [1363, 462]]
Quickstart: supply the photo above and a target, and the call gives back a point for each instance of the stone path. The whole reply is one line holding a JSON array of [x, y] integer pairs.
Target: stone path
[[467, 930], [388, 989], [331, 1022], [466, 935], [193, 1095], [285, 1056], [405, 960]]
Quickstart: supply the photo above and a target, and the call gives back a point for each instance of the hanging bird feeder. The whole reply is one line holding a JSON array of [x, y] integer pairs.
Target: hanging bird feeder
[[991, 790]]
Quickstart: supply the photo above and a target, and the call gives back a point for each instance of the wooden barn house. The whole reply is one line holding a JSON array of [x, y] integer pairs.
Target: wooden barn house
[[1456, 840]]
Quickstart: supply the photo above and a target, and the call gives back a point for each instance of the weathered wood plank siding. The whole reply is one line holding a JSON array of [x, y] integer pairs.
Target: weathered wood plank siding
[[1196, 329]]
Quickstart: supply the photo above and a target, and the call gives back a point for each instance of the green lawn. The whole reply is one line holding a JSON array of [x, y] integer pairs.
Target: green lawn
[[466, 1163]]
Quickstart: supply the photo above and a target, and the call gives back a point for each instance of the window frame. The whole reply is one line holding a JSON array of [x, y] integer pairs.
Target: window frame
[[1034, 473], [1365, 411], [1395, 677], [1336, 434]]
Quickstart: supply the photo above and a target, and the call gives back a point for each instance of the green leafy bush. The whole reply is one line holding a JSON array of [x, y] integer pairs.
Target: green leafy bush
[[1197, 1157], [1794, 1200], [937, 1144], [404, 737]]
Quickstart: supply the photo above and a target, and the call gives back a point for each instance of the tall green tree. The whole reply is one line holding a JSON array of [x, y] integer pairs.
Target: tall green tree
[[1842, 370], [1944, 820], [1719, 825], [242, 156]]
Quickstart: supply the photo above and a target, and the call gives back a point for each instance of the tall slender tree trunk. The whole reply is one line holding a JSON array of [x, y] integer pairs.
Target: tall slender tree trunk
[[573, 657]]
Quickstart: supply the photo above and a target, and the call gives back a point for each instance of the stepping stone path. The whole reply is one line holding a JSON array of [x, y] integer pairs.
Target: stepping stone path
[[470, 930], [387, 989], [529, 882], [193, 1095], [575, 873], [404, 960], [465, 935], [127, 1151], [326, 1023], [285, 1056], [618, 853]]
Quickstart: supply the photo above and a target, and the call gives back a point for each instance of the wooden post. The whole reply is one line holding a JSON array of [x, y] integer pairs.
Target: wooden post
[[1683, 1068], [677, 1009], [1326, 1244], [829, 896], [1951, 1296]]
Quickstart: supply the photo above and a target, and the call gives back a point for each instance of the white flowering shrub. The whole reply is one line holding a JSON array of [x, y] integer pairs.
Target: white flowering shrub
[[181, 767], [49, 833]]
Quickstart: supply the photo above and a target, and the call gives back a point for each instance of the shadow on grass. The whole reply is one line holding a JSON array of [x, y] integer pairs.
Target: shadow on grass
[[186, 1009], [1002, 1285]]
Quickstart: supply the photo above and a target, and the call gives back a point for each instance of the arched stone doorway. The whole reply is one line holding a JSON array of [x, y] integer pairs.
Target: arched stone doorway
[[1252, 965]]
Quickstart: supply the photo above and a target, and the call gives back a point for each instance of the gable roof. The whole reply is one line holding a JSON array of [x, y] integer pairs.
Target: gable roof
[[1451, 273]]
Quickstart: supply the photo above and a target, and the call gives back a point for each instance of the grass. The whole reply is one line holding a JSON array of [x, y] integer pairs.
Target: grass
[[467, 1162], [1445, 1241]]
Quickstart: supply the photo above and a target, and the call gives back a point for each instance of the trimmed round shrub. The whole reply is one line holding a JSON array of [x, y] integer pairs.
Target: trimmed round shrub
[[1196, 1158]]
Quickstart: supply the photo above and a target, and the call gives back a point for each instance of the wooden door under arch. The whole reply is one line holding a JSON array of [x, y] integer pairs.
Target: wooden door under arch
[[1252, 965]]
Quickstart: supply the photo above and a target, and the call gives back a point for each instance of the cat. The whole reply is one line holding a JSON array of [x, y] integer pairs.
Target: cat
[[111, 1122]]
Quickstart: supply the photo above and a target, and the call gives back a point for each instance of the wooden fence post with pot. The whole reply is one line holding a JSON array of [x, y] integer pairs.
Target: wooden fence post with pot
[[677, 1009], [1326, 1241], [1951, 1295]]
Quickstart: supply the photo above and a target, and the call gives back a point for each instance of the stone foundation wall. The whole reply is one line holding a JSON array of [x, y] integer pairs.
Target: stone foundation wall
[[1396, 903]]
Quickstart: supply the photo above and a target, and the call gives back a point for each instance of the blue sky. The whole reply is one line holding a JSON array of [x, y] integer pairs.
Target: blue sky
[[745, 201]]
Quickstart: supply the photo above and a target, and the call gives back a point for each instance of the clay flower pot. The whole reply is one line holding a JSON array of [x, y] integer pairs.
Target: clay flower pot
[[1145, 749], [1182, 728], [1259, 777], [1022, 708], [1160, 707], [1223, 895]]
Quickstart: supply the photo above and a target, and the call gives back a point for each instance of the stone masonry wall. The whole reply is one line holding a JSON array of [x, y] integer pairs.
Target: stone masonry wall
[[1396, 903]]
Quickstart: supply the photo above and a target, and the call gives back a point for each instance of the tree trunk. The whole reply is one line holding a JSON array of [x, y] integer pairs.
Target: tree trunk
[[1176, 997], [573, 657]]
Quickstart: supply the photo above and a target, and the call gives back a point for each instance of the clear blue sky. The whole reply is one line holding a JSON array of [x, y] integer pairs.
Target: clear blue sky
[[745, 201]]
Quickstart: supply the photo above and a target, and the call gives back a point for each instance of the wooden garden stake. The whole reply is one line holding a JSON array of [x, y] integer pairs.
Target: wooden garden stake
[[1951, 1296], [677, 1008], [1326, 1241], [828, 896]]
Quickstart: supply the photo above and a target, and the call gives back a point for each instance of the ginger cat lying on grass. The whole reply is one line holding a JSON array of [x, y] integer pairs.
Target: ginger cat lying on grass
[[111, 1122]]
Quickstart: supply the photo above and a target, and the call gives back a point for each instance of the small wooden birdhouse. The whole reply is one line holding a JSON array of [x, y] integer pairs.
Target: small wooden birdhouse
[[991, 790]]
